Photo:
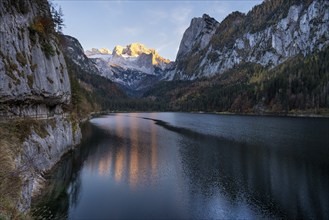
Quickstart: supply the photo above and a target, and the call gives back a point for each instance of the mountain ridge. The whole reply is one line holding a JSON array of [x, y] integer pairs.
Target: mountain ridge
[[295, 27], [209, 47], [272, 60], [131, 65]]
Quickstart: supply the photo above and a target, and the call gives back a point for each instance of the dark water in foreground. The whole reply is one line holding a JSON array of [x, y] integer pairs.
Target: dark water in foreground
[[180, 165]]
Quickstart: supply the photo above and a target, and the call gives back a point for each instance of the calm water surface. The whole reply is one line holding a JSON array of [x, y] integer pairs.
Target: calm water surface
[[181, 165]]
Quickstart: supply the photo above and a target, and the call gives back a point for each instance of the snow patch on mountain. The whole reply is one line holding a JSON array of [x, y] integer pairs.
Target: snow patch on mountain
[[129, 65]]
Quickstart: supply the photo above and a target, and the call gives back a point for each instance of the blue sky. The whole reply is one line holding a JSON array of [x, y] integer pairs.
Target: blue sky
[[156, 24]]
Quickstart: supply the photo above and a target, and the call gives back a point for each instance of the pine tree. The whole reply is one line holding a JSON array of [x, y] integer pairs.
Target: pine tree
[[57, 16]]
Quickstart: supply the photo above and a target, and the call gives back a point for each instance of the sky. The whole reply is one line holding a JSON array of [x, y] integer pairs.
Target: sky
[[156, 24]]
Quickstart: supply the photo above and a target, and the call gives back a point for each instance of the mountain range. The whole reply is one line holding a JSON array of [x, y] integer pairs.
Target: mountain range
[[271, 36], [272, 60], [268, 35], [134, 66]]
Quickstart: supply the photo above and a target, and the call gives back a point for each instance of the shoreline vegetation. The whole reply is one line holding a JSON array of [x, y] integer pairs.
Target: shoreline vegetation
[[13, 133], [16, 166]]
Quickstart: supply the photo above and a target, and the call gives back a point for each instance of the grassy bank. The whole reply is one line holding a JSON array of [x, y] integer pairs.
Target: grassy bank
[[11, 138], [12, 135]]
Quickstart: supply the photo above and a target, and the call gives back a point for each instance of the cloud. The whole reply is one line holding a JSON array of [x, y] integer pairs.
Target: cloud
[[181, 18], [157, 16], [113, 8], [221, 8], [180, 15], [165, 46], [133, 31], [172, 21]]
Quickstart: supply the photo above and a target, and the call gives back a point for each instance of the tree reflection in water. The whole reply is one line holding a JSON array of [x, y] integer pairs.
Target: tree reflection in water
[[151, 168]]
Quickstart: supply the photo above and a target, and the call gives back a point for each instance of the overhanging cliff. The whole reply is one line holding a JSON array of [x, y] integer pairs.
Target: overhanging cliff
[[32, 67]]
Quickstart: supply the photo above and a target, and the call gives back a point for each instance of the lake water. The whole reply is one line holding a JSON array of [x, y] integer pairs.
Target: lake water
[[193, 166]]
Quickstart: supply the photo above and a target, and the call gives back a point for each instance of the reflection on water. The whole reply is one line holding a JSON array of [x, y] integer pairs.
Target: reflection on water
[[133, 174], [154, 152], [143, 165]]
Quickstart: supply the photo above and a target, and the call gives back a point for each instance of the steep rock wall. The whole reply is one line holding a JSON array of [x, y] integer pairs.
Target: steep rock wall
[[32, 68], [41, 151], [305, 29], [34, 82], [197, 35]]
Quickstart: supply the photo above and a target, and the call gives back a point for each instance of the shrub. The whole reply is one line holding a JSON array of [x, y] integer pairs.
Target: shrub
[[12, 135], [30, 80], [32, 35], [43, 26], [48, 49], [38, 28], [10, 69], [21, 58], [34, 67], [213, 57]]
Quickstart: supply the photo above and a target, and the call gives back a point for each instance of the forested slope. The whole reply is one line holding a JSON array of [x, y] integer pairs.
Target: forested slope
[[299, 84]]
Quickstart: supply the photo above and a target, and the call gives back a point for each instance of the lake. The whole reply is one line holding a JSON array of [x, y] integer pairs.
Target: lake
[[192, 166]]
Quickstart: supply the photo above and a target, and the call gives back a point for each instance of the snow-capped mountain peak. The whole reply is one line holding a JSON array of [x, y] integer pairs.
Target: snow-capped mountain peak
[[134, 61], [95, 51], [129, 51]]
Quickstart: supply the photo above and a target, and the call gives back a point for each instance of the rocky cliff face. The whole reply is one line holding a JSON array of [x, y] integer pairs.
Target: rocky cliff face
[[197, 36], [41, 151], [130, 66], [32, 68], [34, 82], [73, 49], [87, 80], [303, 28]]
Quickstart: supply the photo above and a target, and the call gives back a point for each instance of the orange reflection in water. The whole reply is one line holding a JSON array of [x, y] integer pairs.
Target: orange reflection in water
[[104, 165], [134, 161], [154, 150], [120, 157], [119, 162], [133, 174]]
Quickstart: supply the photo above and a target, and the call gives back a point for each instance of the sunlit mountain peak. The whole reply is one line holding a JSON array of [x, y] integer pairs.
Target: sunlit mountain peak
[[105, 51]]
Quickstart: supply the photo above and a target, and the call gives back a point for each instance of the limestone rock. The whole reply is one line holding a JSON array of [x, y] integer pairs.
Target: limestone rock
[[303, 30], [32, 67], [198, 34]]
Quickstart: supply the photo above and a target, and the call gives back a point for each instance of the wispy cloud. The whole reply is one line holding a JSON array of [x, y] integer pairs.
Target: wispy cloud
[[113, 8], [157, 16], [165, 46], [178, 17], [181, 17], [133, 31], [173, 22], [220, 8]]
